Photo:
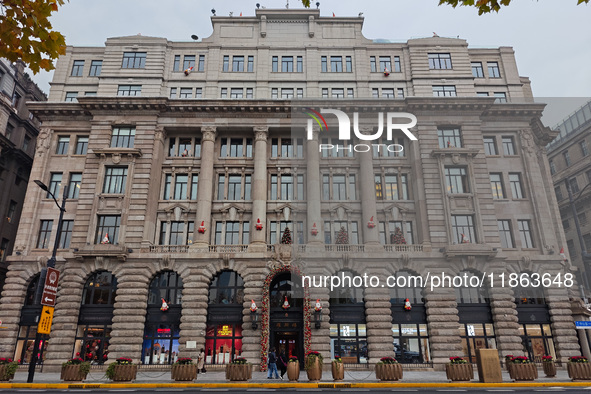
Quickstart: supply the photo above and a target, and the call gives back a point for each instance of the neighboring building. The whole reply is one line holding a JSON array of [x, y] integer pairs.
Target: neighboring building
[[18, 133], [181, 187], [570, 159]]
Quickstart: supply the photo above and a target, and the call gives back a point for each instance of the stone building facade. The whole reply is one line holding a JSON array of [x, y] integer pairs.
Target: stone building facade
[[18, 131], [183, 182]]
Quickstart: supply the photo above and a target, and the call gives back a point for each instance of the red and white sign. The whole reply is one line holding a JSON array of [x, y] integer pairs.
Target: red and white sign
[[50, 289]]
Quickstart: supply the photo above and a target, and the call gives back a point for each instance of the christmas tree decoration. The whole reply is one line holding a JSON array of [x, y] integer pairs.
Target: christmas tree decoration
[[286, 238], [259, 225], [285, 304], [407, 306], [188, 71], [253, 306], [371, 223], [342, 237], [398, 237], [106, 239], [164, 306], [202, 228], [318, 306], [314, 230]]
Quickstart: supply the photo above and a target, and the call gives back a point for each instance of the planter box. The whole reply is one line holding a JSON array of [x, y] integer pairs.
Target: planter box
[[459, 372], [338, 371], [4, 377], [125, 373], [388, 372], [579, 371], [315, 371], [521, 372], [549, 368], [239, 372], [293, 371], [72, 373], [183, 372]]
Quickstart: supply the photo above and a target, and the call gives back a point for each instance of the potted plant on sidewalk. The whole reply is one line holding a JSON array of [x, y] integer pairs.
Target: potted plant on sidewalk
[[313, 366], [508, 359], [122, 370], [578, 368], [183, 370], [523, 369], [338, 369], [459, 370], [293, 369], [549, 366], [75, 370], [239, 370], [7, 369], [388, 369]]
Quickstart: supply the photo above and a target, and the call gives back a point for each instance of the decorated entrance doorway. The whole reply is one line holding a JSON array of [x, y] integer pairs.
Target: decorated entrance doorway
[[286, 315]]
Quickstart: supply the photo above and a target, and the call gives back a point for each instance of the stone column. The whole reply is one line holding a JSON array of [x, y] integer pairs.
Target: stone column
[[379, 320], [65, 318], [563, 327], [254, 280], [206, 182], [193, 320], [313, 190], [320, 336], [368, 197], [443, 322], [129, 315], [505, 320], [259, 189]]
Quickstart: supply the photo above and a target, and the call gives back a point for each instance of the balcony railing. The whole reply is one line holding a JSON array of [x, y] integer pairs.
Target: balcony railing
[[344, 248], [228, 248], [273, 248], [403, 248], [169, 248]]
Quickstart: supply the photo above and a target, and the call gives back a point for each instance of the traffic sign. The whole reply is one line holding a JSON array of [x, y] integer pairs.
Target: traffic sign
[[48, 299], [45, 320], [51, 280], [583, 325]]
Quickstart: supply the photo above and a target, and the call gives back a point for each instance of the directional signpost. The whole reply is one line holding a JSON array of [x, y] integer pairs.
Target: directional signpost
[[50, 289], [583, 325], [45, 320]]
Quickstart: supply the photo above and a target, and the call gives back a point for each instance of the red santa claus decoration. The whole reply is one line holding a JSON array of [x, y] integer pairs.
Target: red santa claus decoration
[[253, 306], [407, 306], [285, 304], [164, 306], [318, 306]]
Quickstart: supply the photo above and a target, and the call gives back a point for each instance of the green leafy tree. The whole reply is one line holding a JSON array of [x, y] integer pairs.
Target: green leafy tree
[[485, 6], [26, 33]]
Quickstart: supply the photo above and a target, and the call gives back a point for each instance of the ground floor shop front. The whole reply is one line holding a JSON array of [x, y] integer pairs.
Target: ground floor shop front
[[156, 313]]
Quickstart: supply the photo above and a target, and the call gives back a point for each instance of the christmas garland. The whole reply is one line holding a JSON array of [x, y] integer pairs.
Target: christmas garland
[[266, 314]]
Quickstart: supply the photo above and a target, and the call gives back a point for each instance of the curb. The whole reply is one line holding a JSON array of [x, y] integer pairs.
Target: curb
[[41, 386]]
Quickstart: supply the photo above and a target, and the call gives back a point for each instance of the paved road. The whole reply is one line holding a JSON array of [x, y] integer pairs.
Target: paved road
[[516, 390]]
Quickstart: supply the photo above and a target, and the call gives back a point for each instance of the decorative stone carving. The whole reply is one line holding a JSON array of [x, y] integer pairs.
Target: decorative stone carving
[[209, 133], [261, 133]]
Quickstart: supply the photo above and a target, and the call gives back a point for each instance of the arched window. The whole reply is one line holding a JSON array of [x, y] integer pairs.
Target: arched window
[[223, 337], [96, 315], [28, 326], [31, 290], [286, 286], [408, 285], [350, 291], [227, 288], [167, 285]]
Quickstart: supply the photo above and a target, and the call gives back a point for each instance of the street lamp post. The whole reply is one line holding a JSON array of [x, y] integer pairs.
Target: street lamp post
[[584, 255], [50, 264]]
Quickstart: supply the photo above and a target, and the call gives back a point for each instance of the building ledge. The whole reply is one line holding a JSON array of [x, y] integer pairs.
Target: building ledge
[[130, 152], [108, 250], [469, 249]]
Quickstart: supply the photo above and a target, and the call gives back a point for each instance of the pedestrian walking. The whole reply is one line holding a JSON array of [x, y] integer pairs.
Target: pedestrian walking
[[282, 362], [272, 362], [201, 361]]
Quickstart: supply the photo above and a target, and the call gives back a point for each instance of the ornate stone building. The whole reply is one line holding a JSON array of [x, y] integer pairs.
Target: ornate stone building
[[184, 172]]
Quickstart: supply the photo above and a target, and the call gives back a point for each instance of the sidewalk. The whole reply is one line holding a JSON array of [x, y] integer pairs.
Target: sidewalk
[[353, 379]]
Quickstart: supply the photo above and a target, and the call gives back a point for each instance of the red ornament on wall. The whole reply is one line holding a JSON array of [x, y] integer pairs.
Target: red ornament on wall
[[259, 225], [202, 228], [314, 230]]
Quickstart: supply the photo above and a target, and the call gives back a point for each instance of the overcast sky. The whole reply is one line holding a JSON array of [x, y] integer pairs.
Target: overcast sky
[[551, 38]]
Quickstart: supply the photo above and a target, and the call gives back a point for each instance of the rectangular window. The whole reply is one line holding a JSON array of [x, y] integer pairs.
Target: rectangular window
[[463, 229], [477, 71], [449, 138], [493, 70], [525, 234], [129, 90], [224, 93], [378, 187], [55, 182], [177, 233], [218, 233], [198, 92], [66, 234], [496, 185], [338, 93], [552, 168], [397, 67], [238, 63], [188, 62], [566, 156], [439, 61], [565, 224], [574, 185], [181, 183], [275, 64], [388, 93], [173, 93], [74, 185], [176, 65], [123, 137], [247, 187], [490, 146], [234, 187], [508, 146], [300, 64], [444, 91], [194, 186], [274, 93], [107, 229], [287, 64], [336, 64], [134, 60], [323, 64], [348, 64], [300, 93], [26, 143], [44, 234], [95, 68], [186, 93], [221, 187], [226, 63], [385, 63], [71, 97], [249, 93], [167, 186], [77, 68], [456, 180], [505, 234], [372, 64], [81, 145], [324, 92], [375, 93], [63, 142], [516, 187], [400, 92], [406, 227], [558, 191], [115, 180], [326, 187], [339, 187], [390, 187], [250, 65], [501, 97], [286, 93], [286, 187], [584, 149], [300, 188], [236, 147], [232, 233], [236, 93], [482, 94], [274, 187], [350, 93], [11, 211]]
